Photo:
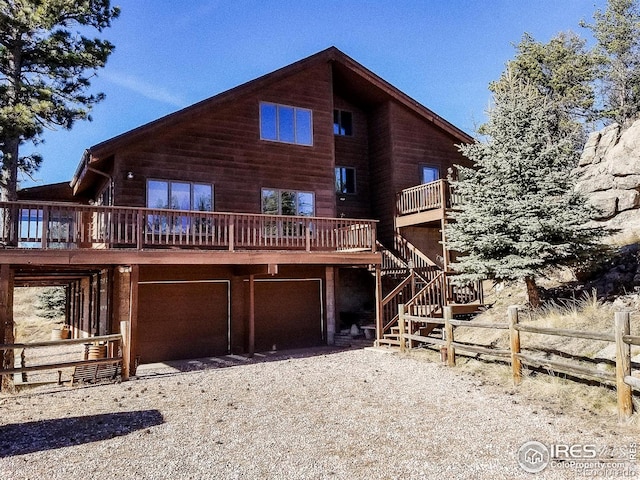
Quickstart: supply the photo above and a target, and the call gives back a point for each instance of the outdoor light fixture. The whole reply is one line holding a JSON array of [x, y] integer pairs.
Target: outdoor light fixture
[[129, 175]]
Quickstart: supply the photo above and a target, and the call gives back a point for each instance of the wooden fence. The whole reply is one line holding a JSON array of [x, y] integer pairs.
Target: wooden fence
[[115, 354], [622, 379]]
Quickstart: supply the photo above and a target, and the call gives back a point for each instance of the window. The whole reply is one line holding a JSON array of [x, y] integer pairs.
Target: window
[[345, 180], [287, 202], [282, 123], [430, 174], [179, 195], [342, 123]]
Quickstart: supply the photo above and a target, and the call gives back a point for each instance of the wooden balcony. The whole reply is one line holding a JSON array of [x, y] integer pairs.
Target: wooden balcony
[[424, 203], [56, 227]]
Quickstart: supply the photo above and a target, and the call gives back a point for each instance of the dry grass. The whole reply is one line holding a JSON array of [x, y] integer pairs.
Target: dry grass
[[29, 327], [559, 394]]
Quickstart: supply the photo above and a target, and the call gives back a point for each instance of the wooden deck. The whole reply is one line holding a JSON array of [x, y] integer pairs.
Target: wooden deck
[[79, 234], [424, 203]]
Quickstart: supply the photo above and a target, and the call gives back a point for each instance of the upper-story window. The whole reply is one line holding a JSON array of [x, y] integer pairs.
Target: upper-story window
[[179, 195], [430, 174], [342, 123], [283, 123], [345, 180]]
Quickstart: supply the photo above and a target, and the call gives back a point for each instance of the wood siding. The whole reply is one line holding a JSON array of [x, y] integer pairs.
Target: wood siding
[[223, 147], [353, 151]]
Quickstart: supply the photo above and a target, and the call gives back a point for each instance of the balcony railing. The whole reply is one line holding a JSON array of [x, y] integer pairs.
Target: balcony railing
[[65, 226], [428, 196]]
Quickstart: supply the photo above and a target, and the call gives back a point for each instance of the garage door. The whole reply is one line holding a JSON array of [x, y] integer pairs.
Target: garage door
[[288, 314], [180, 320]]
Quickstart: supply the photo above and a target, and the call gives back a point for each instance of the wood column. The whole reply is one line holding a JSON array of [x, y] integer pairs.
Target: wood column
[[251, 334], [122, 313], [6, 324], [330, 301], [133, 318]]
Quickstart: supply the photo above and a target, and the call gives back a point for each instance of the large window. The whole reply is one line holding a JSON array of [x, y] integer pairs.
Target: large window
[[179, 195], [345, 180], [282, 123], [342, 123], [430, 174], [287, 202]]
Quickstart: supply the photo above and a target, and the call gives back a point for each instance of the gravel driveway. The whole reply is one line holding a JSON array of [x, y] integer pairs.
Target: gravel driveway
[[345, 415]]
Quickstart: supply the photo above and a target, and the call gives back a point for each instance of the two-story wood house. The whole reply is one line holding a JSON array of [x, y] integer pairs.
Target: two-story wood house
[[266, 217]]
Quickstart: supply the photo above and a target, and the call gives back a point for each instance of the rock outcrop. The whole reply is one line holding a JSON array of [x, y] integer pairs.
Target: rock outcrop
[[609, 176]]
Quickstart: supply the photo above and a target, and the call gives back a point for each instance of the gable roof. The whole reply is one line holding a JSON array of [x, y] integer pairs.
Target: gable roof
[[348, 68]]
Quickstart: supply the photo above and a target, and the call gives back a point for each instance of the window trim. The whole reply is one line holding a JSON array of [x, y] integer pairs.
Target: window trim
[[295, 120], [340, 111], [191, 193], [355, 180]]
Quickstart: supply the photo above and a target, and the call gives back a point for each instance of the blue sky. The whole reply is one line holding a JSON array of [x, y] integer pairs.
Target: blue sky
[[170, 54]]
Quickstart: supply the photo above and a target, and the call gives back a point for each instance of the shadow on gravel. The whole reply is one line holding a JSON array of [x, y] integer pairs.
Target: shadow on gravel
[[30, 437]]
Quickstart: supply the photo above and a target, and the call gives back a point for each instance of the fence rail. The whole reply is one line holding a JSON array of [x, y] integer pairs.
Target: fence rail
[[114, 354], [622, 378], [65, 226]]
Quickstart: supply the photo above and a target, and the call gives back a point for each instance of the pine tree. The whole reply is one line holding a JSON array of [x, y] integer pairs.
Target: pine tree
[[617, 33], [520, 215], [45, 68], [51, 302]]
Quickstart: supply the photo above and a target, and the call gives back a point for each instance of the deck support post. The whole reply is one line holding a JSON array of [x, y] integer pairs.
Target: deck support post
[[6, 325], [133, 318], [252, 317], [330, 296]]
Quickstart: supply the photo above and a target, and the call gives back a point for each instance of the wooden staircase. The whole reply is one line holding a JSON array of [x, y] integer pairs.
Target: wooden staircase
[[421, 290]]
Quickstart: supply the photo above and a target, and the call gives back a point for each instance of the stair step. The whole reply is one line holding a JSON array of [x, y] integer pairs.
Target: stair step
[[388, 341]]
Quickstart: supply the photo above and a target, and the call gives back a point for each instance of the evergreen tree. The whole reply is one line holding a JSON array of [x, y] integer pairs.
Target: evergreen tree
[[520, 215], [561, 70], [617, 32], [45, 70], [51, 302]]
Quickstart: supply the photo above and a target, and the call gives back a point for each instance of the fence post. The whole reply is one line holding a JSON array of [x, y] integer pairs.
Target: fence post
[[448, 331], [514, 337], [623, 365], [125, 346], [401, 326]]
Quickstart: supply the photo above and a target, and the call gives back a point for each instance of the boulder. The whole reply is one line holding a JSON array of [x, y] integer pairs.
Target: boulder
[[608, 174]]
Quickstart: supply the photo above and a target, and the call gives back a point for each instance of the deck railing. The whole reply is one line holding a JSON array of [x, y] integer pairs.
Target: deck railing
[[64, 226], [428, 196]]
